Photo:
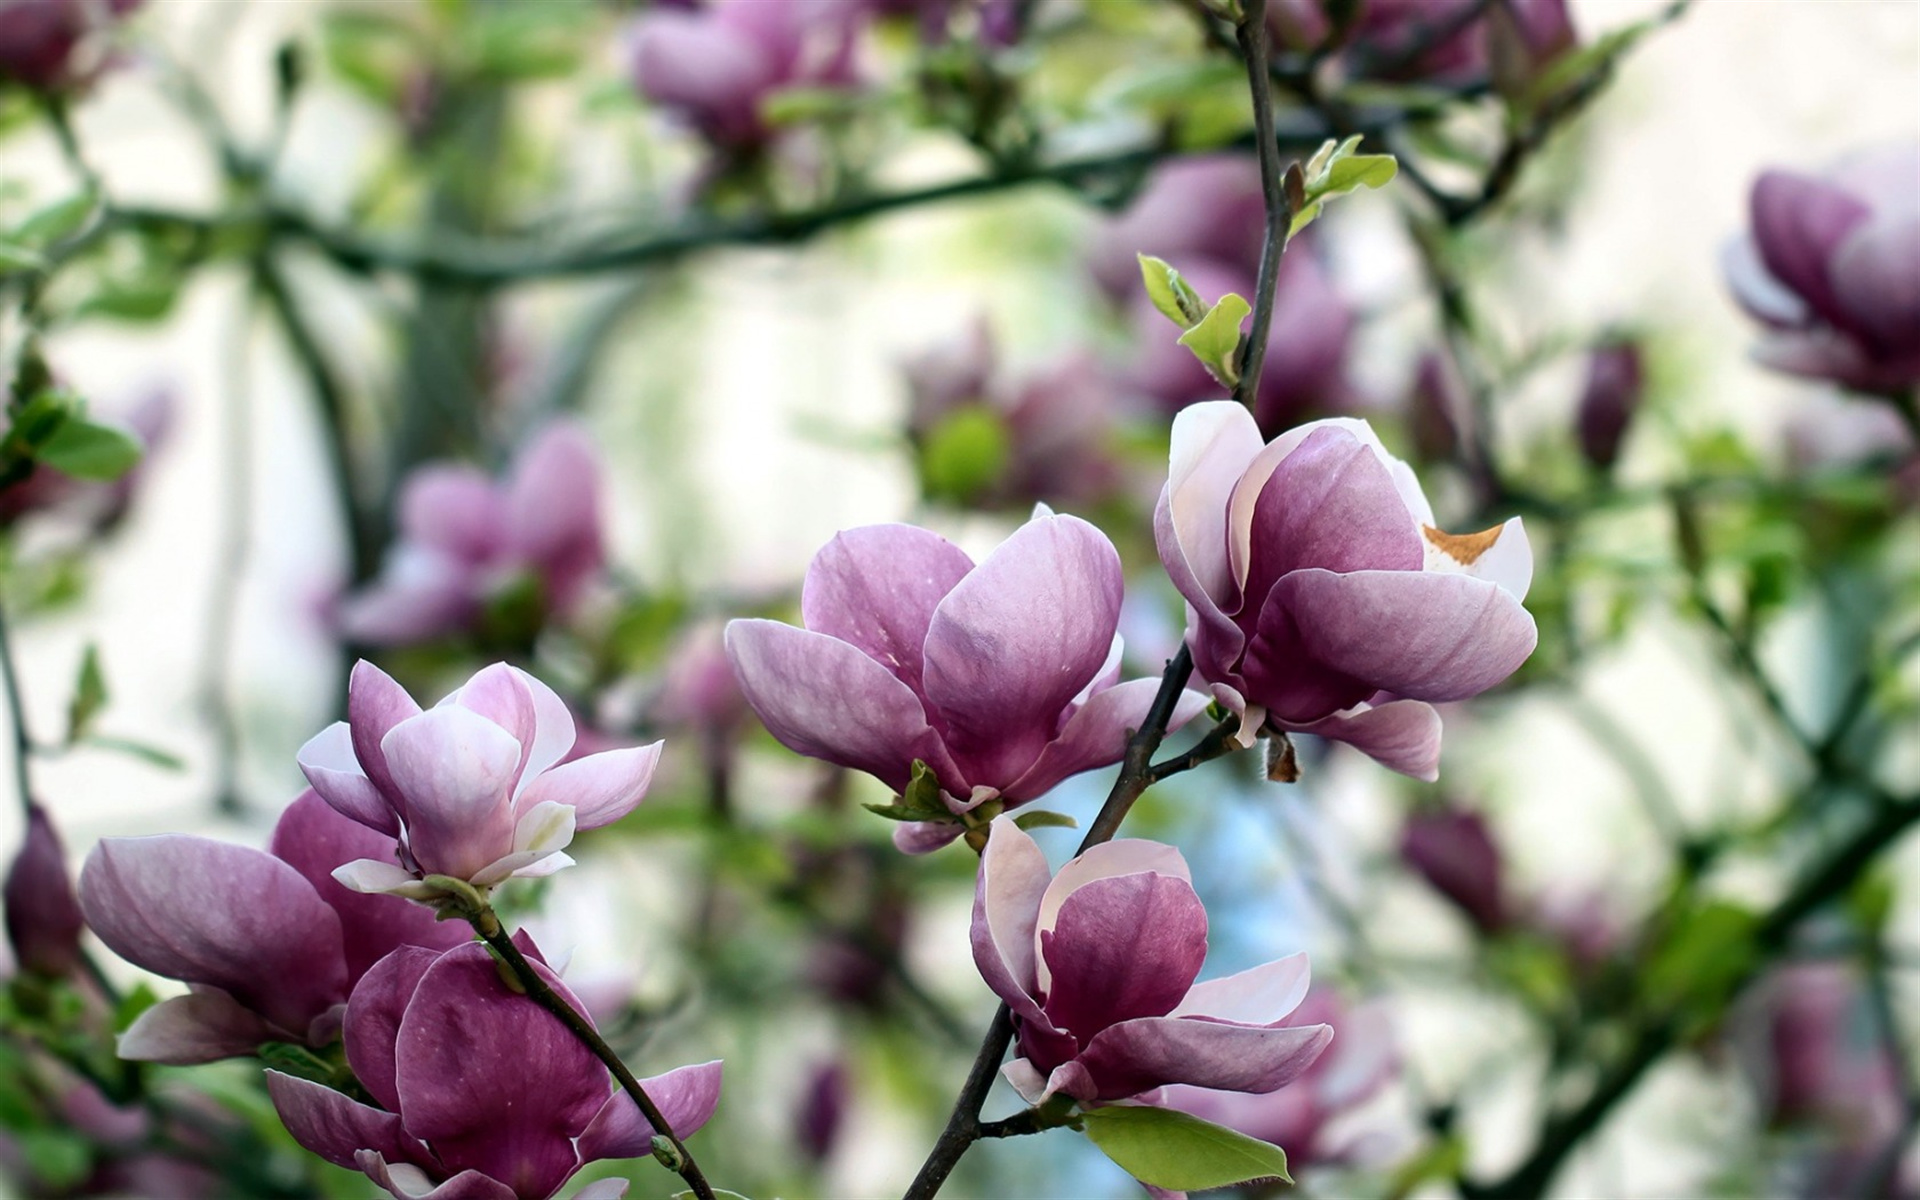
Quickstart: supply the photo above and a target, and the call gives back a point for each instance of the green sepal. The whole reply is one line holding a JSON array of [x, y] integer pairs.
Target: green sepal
[[1178, 1151], [920, 802], [1215, 341], [1045, 819]]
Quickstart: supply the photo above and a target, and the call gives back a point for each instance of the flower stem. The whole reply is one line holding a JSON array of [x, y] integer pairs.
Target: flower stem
[[1251, 30], [486, 923]]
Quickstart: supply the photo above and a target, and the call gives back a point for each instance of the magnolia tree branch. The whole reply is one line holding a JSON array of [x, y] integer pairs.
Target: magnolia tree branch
[[17, 714], [1251, 30], [674, 1154]]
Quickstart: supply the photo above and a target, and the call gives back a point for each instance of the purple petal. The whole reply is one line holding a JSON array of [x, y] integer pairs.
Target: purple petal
[[823, 698], [1213, 444], [404, 1181], [334, 1127], [1876, 280], [1421, 635], [329, 763], [924, 837], [421, 595], [876, 587], [601, 787], [490, 1079], [553, 729], [499, 694], [1263, 995], [1136, 1056], [375, 704], [1765, 298], [685, 1097], [456, 769], [1109, 860], [1122, 948], [1097, 735], [1797, 224], [374, 1013], [1015, 642], [222, 915], [199, 1027], [1331, 503], [603, 1189], [1006, 913], [315, 840], [712, 74], [553, 511], [1401, 735], [455, 508]]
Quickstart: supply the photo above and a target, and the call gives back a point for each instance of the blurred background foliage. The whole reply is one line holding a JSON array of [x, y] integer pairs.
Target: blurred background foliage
[[795, 265]]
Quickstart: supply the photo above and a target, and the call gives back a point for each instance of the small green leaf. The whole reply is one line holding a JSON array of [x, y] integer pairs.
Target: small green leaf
[[85, 450], [964, 453], [146, 752], [1362, 170], [1179, 1152], [57, 221], [1171, 294], [89, 695], [16, 259], [1304, 217], [1215, 341], [1045, 819]]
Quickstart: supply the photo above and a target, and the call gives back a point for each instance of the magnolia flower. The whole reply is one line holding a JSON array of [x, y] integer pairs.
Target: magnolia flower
[[716, 66], [1832, 268], [1097, 965], [1320, 596], [1001, 678], [270, 943], [464, 539], [43, 918], [482, 1093], [470, 787], [1443, 41], [52, 44], [1301, 1117]]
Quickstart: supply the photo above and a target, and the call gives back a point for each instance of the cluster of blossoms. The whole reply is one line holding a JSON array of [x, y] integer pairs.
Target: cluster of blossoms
[[466, 540]]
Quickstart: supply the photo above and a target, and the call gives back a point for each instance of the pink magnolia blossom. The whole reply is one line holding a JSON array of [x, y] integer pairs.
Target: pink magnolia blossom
[[716, 66], [1440, 41], [1097, 965], [474, 788], [1832, 268], [1453, 850], [47, 44], [270, 943], [482, 1094], [1302, 1117], [464, 538], [1002, 677], [1320, 596]]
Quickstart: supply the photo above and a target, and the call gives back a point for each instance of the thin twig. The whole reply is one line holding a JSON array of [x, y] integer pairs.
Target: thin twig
[[487, 924], [16, 709], [1251, 31]]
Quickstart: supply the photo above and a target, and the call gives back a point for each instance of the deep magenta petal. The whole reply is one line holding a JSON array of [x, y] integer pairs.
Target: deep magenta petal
[[222, 915], [1401, 735], [1017, 640], [314, 840], [491, 1080], [1419, 634], [1798, 222], [335, 1127], [1137, 1056], [823, 698], [1121, 948], [375, 704], [374, 1013], [686, 1097], [200, 1027], [876, 587]]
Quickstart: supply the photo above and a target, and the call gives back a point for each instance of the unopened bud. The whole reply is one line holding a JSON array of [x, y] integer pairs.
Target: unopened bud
[[43, 917], [1615, 382]]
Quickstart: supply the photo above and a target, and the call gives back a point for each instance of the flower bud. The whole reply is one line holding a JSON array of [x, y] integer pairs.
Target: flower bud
[[1615, 383], [1453, 850], [43, 916]]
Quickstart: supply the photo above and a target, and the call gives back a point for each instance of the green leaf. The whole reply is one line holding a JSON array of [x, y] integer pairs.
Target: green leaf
[[1179, 1152], [146, 752], [1304, 217], [16, 259], [964, 453], [1215, 341], [142, 297], [89, 695], [57, 221], [1362, 170], [1175, 299], [85, 450], [1045, 819]]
